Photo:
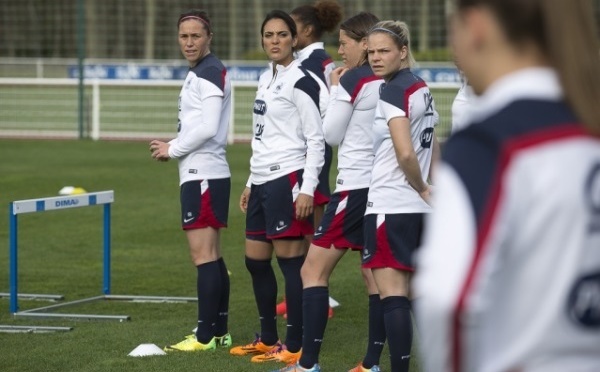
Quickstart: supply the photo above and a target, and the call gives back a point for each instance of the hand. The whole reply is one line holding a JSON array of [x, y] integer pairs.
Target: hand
[[159, 150], [336, 74], [244, 200], [426, 195], [304, 206]]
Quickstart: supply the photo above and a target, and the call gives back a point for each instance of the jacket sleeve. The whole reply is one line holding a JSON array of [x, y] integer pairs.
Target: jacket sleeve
[[203, 122], [336, 124], [442, 265], [306, 99]]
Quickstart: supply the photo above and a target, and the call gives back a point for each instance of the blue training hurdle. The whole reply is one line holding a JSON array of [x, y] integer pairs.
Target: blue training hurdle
[[105, 198]]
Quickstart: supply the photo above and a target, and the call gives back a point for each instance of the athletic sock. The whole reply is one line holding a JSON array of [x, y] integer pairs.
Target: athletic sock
[[399, 330], [209, 292], [264, 284], [290, 267], [315, 307], [376, 332], [221, 327]]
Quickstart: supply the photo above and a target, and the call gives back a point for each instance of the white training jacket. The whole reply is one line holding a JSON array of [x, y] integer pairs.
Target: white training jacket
[[349, 125], [288, 134], [316, 60], [204, 111], [404, 95], [508, 277]]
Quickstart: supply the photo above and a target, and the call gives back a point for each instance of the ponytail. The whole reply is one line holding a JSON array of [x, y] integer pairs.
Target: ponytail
[[323, 16], [572, 46]]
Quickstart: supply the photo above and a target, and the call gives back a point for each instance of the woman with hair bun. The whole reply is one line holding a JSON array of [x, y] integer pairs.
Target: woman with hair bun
[[312, 21]]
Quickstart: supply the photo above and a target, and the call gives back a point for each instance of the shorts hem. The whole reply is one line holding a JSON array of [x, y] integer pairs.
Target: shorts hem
[[396, 266], [203, 226]]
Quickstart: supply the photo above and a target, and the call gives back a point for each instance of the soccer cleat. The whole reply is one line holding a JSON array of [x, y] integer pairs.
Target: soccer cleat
[[278, 354], [191, 344], [281, 308], [296, 367], [221, 341], [360, 368], [224, 341], [255, 347]]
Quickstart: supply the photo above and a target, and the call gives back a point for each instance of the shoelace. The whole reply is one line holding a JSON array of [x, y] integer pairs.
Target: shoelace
[[275, 351], [256, 339]]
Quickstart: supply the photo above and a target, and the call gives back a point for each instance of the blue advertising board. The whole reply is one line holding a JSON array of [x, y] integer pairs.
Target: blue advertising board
[[236, 72]]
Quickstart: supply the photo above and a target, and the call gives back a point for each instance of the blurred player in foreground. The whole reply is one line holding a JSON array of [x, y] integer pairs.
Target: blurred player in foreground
[[508, 278]]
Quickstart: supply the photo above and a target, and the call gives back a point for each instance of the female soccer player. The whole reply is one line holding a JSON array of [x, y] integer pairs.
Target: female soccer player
[[312, 21], [509, 275], [287, 155], [204, 110], [349, 122], [398, 198]]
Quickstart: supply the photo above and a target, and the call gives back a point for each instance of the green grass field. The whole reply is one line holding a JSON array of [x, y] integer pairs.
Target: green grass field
[[60, 252]]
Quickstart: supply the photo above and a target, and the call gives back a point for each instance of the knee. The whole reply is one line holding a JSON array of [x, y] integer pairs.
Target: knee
[[313, 275], [255, 266], [306, 272], [200, 257]]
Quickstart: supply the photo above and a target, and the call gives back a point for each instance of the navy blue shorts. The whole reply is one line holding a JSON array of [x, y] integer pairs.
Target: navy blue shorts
[[271, 210], [342, 225], [323, 191], [391, 240], [205, 203]]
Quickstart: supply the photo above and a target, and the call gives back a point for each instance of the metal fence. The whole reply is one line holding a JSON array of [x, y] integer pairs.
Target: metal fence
[[146, 29], [54, 38]]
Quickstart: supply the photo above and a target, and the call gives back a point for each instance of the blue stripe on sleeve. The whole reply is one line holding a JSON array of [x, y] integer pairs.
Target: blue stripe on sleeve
[[309, 86]]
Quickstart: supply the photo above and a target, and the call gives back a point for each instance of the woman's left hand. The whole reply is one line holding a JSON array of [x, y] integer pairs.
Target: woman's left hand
[[304, 206]]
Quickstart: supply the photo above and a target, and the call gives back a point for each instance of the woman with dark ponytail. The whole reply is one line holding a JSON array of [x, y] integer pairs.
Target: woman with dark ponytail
[[508, 278]]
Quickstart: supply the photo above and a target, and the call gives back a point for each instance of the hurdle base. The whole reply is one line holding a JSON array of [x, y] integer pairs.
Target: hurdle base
[[33, 329], [42, 312], [151, 299], [67, 316], [34, 296]]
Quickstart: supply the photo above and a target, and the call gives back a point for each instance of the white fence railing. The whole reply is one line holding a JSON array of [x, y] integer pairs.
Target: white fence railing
[[128, 109]]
